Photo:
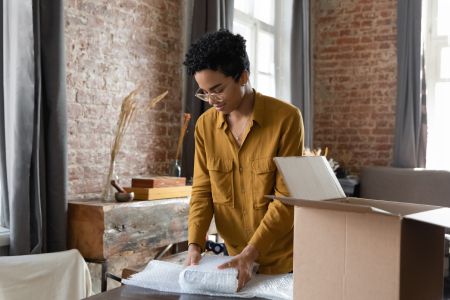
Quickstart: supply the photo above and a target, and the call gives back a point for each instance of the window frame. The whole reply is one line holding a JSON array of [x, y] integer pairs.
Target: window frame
[[281, 70]]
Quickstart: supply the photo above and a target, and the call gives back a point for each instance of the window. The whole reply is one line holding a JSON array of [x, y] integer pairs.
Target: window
[[268, 43], [436, 37]]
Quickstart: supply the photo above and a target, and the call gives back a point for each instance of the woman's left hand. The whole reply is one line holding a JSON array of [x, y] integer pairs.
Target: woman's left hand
[[244, 263]]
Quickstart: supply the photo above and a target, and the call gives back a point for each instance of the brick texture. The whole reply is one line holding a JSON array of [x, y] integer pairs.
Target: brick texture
[[355, 61], [111, 48]]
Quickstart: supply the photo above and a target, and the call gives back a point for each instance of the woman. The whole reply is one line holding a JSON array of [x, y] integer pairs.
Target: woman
[[235, 142]]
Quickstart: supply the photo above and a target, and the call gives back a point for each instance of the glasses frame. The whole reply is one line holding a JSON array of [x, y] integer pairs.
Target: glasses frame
[[215, 97]]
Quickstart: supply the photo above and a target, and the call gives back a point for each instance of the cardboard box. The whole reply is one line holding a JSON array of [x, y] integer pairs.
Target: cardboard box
[[353, 248]]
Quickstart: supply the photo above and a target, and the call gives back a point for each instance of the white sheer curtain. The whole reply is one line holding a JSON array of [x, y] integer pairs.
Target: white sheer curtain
[[436, 38], [18, 83]]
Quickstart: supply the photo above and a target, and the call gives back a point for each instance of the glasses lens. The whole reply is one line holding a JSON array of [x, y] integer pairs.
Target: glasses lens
[[201, 96], [206, 97], [216, 97]]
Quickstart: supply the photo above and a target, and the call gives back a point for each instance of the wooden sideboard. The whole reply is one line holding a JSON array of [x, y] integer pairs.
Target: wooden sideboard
[[117, 235]]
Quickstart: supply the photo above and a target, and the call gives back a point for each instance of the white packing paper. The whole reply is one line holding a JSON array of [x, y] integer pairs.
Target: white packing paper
[[206, 279]]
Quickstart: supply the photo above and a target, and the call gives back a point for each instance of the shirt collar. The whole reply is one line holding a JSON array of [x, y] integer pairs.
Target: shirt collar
[[221, 120], [258, 109]]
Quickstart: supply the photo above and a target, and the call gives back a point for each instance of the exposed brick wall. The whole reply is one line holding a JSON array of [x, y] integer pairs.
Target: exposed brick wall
[[355, 73], [111, 47]]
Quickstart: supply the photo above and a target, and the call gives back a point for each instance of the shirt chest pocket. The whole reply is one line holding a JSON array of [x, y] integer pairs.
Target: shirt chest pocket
[[221, 178], [263, 178]]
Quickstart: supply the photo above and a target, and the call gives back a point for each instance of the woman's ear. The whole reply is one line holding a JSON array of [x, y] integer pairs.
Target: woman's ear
[[243, 79]]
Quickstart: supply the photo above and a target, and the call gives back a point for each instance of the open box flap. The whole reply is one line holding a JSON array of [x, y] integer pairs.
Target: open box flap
[[312, 183], [395, 208], [439, 216], [334, 204], [309, 177]]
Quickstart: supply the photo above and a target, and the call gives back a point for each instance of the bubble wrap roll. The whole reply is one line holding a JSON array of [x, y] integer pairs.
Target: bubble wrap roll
[[207, 278]]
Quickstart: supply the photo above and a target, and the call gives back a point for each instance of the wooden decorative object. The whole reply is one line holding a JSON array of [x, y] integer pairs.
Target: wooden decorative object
[[186, 119], [160, 193], [157, 182]]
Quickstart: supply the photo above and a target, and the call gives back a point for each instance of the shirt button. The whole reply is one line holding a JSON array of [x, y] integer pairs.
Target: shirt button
[[240, 169]]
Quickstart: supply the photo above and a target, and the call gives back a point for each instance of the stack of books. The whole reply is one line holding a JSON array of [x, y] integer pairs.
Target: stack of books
[[159, 187]]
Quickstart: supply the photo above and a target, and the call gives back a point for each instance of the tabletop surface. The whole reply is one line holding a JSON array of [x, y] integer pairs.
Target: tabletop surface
[[129, 292]]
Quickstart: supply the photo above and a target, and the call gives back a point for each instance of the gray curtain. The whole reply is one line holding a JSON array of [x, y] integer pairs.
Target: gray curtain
[[33, 131], [301, 66], [207, 16], [410, 138], [3, 207]]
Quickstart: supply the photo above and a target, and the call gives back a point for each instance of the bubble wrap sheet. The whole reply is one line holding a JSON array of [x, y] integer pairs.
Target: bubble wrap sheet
[[206, 279]]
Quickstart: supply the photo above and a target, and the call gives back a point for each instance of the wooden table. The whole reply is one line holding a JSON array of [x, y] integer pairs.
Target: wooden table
[[102, 229], [117, 235], [129, 292]]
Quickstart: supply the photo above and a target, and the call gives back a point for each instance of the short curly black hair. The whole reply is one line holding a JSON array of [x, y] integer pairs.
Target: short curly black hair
[[219, 51]]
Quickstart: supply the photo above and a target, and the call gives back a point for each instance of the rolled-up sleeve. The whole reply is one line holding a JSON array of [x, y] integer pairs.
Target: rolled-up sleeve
[[201, 207]]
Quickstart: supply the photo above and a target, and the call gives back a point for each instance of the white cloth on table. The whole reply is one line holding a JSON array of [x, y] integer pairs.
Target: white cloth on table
[[58, 276]]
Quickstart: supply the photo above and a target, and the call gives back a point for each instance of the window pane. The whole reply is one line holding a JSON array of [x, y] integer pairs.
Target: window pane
[[442, 105], [443, 21], [264, 10], [266, 58], [266, 84], [438, 141], [243, 5], [246, 31], [445, 63]]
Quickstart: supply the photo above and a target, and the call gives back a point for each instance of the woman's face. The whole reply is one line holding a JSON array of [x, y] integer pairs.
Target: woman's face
[[221, 91]]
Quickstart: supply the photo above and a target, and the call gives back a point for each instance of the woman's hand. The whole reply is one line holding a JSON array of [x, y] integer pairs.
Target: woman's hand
[[194, 255], [244, 264]]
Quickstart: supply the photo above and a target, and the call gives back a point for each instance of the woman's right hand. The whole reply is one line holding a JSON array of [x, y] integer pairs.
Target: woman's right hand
[[193, 255]]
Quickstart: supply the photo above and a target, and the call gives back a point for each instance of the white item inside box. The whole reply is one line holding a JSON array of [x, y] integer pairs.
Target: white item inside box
[[206, 279]]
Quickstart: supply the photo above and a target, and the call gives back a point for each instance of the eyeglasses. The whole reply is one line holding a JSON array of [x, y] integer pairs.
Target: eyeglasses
[[215, 97]]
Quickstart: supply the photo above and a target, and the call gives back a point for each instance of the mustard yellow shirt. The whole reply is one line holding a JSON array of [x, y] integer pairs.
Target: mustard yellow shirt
[[230, 182]]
